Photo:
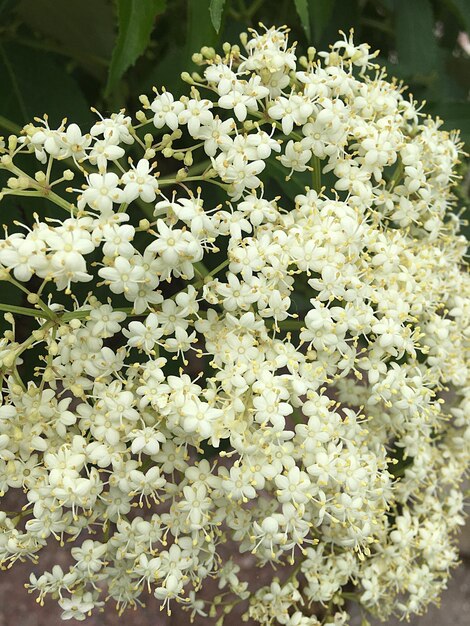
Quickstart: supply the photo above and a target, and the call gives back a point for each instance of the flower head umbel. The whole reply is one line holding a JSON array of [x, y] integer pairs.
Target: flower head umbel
[[263, 352]]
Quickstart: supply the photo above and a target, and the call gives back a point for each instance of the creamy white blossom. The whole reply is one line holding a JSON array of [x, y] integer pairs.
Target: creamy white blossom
[[283, 377]]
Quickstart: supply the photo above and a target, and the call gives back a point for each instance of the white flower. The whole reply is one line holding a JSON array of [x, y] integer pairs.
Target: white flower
[[296, 156], [174, 246], [102, 151], [295, 109], [73, 143], [258, 209], [101, 192], [166, 110], [115, 129], [191, 212], [139, 182], [215, 134], [294, 486], [19, 254], [147, 440], [198, 417], [221, 76], [236, 294], [105, 321], [88, 556], [117, 240], [195, 504], [195, 114], [122, 277], [239, 172], [239, 102], [260, 145], [144, 335], [76, 607]]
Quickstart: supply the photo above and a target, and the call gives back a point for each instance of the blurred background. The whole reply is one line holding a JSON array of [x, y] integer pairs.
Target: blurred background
[[62, 57]]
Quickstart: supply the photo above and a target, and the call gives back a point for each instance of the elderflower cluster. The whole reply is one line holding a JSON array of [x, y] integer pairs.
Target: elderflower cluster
[[242, 332]]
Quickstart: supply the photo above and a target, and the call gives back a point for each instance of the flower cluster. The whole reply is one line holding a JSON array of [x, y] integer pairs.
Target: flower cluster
[[195, 361]]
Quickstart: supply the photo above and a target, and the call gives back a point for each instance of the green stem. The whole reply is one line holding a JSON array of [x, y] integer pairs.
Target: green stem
[[16, 375], [75, 315], [198, 168], [194, 170], [22, 310], [84, 313], [20, 516], [207, 274], [10, 126], [254, 6], [32, 339], [218, 268], [49, 312], [201, 269], [43, 193], [316, 174], [349, 595], [164, 182]]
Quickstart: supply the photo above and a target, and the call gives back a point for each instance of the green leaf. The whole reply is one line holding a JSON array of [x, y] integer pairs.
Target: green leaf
[[302, 10], [216, 9], [166, 72], [388, 4], [462, 10], [320, 14], [34, 83], [81, 29], [456, 115], [135, 25], [5, 6], [199, 27], [416, 44]]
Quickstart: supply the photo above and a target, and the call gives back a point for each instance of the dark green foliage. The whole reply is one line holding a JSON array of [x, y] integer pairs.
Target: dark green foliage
[[216, 9], [303, 12], [135, 25]]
